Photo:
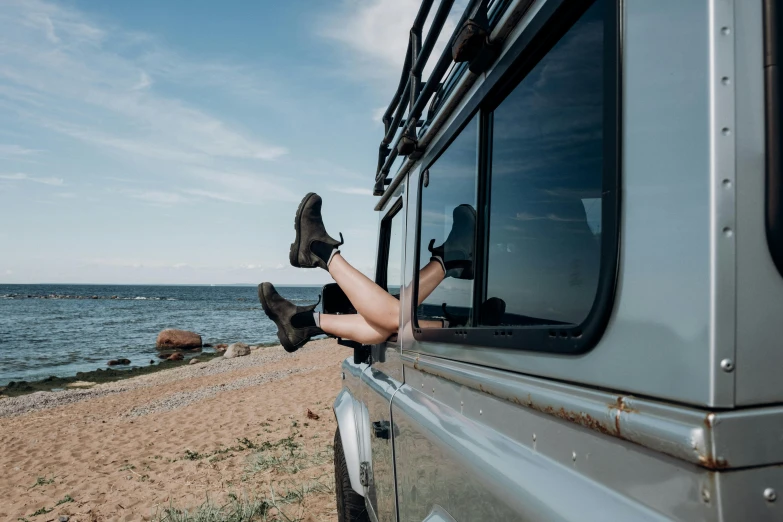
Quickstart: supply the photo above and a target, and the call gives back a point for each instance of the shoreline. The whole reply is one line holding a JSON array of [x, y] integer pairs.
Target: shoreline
[[97, 376], [251, 431]]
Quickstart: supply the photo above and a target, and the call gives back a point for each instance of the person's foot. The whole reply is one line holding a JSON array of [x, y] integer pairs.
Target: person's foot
[[456, 253], [295, 324], [313, 247]]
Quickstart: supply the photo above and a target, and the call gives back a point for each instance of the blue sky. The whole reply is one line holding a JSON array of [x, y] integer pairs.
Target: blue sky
[[170, 142]]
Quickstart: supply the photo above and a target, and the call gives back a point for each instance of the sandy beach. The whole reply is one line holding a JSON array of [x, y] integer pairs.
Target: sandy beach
[[231, 433]]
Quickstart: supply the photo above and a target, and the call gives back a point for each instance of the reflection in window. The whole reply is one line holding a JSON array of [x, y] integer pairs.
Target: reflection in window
[[546, 184], [452, 182], [394, 264]]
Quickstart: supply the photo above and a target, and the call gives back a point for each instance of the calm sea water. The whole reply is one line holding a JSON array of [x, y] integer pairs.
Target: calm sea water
[[62, 329]]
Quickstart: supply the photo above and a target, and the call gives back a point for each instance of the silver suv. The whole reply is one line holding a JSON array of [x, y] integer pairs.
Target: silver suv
[[616, 352]]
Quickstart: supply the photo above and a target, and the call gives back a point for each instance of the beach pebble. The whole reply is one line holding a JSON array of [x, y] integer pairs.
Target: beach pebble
[[175, 357], [64, 518], [221, 347], [237, 350], [194, 361], [180, 339]]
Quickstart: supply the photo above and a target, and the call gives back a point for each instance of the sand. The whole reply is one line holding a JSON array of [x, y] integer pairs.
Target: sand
[[132, 449]]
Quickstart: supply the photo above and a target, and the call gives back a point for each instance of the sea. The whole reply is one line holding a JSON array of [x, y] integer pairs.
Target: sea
[[58, 330]]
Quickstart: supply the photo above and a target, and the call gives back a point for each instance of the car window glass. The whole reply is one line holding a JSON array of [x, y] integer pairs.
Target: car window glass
[[450, 183], [543, 247]]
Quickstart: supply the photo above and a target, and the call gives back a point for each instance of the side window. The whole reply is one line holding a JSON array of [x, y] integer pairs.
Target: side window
[[546, 172], [390, 263], [448, 191], [536, 172]]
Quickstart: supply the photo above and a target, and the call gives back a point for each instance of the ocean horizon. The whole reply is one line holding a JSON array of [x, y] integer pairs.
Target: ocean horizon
[[61, 329]]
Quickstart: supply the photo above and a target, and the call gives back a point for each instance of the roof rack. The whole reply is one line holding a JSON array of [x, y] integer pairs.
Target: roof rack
[[469, 43]]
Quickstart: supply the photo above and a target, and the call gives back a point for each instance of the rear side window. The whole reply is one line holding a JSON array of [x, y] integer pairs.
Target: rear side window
[[390, 261], [546, 171], [449, 183], [538, 163]]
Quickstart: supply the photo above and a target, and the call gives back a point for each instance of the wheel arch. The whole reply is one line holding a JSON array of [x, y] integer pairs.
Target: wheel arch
[[344, 412]]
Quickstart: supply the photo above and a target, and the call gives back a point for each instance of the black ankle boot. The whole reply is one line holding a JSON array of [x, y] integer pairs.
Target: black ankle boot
[[312, 246], [284, 313], [456, 252]]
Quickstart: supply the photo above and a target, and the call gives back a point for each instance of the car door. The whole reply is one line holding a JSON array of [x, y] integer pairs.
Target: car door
[[383, 376]]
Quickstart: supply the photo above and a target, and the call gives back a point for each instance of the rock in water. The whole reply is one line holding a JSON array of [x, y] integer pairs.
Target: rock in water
[[194, 361], [237, 350], [179, 339], [221, 347], [115, 362], [175, 357]]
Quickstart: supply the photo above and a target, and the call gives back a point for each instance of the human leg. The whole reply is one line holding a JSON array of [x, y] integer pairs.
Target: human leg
[[355, 328]]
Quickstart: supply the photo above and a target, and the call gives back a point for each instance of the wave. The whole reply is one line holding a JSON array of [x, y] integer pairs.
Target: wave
[[85, 297]]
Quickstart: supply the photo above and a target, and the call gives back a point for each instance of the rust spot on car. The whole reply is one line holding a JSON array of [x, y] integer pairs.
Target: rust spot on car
[[710, 462], [709, 421]]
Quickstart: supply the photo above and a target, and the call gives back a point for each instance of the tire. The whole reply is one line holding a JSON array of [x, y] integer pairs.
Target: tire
[[350, 505]]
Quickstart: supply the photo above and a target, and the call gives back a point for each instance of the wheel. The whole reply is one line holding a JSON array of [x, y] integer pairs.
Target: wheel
[[350, 504]]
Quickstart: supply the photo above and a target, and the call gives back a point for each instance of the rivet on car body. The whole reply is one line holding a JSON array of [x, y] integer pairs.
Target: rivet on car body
[[727, 365], [770, 495]]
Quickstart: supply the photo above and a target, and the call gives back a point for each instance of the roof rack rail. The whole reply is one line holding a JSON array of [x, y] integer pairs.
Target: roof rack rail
[[468, 43]]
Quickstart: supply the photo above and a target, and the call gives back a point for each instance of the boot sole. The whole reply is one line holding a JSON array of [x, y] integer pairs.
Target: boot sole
[[287, 346], [293, 254]]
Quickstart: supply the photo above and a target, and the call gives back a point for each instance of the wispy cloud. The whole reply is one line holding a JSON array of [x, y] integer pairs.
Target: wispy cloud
[[18, 176], [8, 150], [376, 32], [160, 198], [358, 191], [96, 84]]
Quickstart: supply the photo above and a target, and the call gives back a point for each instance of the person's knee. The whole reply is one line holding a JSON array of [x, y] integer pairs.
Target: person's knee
[[376, 337]]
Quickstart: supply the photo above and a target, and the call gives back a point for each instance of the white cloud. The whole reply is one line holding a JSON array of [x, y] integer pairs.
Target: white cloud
[[24, 177], [66, 195], [358, 191], [9, 272], [376, 33], [144, 82], [377, 114], [62, 71], [158, 197], [7, 150]]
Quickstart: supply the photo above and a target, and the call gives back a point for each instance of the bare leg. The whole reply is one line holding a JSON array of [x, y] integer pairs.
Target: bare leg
[[372, 302], [355, 328], [429, 278]]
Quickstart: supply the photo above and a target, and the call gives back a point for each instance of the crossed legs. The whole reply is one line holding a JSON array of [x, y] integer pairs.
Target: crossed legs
[[378, 312]]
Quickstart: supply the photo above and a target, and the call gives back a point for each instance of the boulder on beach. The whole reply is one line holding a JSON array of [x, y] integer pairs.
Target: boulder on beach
[[176, 356], [194, 361], [221, 347], [179, 339], [237, 350], [115, 362]]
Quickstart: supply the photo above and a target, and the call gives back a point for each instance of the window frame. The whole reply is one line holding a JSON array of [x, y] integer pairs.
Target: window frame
[[551, 23], [773, 108], [384, 244]]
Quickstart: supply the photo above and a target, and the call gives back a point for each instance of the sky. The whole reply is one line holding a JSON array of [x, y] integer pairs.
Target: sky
[[152, 142]]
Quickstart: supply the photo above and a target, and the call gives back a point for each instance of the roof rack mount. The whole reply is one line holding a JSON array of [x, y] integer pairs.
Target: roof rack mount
[[462, 46]]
